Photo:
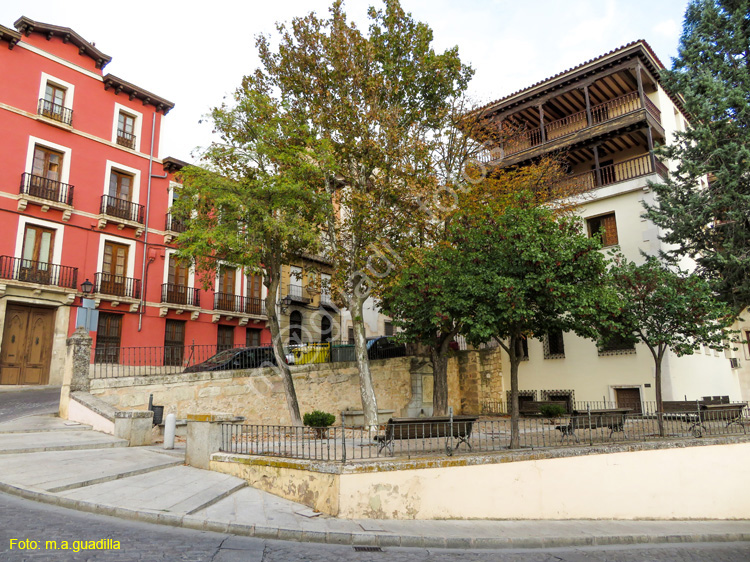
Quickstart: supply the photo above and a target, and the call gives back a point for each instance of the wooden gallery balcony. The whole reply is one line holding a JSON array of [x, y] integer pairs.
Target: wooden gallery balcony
[[629, 169]]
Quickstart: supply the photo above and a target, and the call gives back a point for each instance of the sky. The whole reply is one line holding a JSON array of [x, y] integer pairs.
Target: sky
[[194, 53]]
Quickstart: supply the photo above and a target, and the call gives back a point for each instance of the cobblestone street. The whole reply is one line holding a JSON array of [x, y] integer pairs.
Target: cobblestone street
[[21, 519]]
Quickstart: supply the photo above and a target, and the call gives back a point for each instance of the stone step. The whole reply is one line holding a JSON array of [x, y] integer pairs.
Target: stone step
[[39, 424], [57, 471], [179, 490], [32, 442]]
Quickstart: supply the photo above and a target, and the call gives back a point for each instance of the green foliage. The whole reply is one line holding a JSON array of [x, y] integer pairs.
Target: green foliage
[[711, 223], [552, 410], [316, 418]]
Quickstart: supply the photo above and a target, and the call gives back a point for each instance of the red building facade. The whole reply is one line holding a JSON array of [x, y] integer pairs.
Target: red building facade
[[84, 197]]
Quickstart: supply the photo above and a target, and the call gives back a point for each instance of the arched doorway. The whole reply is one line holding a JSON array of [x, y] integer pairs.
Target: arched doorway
[[325, 329], [295, 328]]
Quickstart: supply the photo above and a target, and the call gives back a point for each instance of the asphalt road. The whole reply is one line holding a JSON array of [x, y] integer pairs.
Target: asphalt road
[[15, 403]]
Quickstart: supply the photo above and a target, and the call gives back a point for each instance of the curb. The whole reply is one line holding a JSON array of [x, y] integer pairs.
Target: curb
[[365, 539]]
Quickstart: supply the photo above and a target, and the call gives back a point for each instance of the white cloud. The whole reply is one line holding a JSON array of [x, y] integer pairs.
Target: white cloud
[[667, 28]]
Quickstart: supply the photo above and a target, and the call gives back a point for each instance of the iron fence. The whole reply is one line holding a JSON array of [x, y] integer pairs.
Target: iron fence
[[464, 434]]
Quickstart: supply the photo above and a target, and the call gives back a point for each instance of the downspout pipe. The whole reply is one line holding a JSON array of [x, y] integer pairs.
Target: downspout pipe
[[145, 235]]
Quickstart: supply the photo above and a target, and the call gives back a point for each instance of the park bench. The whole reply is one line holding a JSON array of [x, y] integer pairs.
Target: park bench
[[698, 413], [613, 419], [436, 427]]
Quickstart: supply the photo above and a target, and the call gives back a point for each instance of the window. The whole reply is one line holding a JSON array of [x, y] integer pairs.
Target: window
[[108, 332], [295, 282], [38, 244], [113, 278], [177, 281], [252, 337], [351, 336], [616, 344], [325, 288], [605, 226], [388, 328], [126, 130], [522, 348], [174, 342], [326, 329], [254, 291], [120, 185], [53, 104], [224, 337], [295, 328], [554, 345]]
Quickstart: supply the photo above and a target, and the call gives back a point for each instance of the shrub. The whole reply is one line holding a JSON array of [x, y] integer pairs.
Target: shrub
[[316, 418], [552, 410]]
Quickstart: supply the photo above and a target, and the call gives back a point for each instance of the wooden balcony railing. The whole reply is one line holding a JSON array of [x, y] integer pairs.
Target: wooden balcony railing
[[55, 111], [122, 208], [51, 190], [126, 139], [174, 225], [117, 285], [172, 293], [615, 173], [43, 273], [600, 113]]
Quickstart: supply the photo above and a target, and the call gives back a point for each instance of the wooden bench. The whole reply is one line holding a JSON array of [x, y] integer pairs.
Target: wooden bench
[[698, 412], [427, 428], [613, 419]]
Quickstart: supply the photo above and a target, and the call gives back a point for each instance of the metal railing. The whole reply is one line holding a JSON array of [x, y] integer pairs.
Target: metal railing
[[297, 293], [460, 435], [237, 303], [325, 298], [114, 361], [55, 111], [172, 293], [122, 208], [126, 139], [117, 285], [174, 225], [51, 190], [43, 273]]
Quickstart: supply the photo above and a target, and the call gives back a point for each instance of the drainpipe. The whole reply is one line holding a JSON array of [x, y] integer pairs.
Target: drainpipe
[[145, 235]]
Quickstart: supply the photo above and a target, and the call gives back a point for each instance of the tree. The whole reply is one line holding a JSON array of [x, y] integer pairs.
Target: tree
[[257, 202], [374, 99], [526, 272], [711, 223], [666, 309]]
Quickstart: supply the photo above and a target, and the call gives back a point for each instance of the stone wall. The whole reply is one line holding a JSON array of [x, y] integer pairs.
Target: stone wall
[[402, 384]]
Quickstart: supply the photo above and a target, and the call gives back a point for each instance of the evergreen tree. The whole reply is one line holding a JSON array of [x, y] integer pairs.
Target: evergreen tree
[[705, 205]]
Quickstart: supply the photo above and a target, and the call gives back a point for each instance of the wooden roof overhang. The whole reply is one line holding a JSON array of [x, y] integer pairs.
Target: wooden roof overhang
[[27, 26], [10, 36], [119, 85]]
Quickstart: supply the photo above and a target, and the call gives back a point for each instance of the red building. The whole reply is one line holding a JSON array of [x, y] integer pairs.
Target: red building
[[84, 197]]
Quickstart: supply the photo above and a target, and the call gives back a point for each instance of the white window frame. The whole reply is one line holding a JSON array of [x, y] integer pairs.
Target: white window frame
[[239, 278], [67, 156], [135, 172], [69, 89], [59, 229], [136, 127], [117, 240], [191, 272]]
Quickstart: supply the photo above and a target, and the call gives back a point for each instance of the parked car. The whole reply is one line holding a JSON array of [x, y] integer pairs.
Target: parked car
[[236, 358], [384, 347]]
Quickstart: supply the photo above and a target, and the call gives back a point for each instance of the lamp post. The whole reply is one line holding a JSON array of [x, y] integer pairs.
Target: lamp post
[[87, 287]]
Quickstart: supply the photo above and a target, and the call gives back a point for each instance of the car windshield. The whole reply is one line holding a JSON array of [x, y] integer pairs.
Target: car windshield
[[222, 356]]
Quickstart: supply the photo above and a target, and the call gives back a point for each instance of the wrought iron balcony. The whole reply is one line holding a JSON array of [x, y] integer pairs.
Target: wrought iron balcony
[[255, 306], [30, 271], [236, 303], [174, 225], [122, 208], [325, 299], [51, 190], [117, 285], [179, 294], [297, 294], [126, 139], [55, 111]]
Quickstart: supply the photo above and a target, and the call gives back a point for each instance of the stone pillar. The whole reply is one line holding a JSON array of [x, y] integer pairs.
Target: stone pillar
[[77, 366], [203, 438], [135, 426]]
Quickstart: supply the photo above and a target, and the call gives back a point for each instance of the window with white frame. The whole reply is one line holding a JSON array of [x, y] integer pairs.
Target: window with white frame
[[56, 99], [126, 127]]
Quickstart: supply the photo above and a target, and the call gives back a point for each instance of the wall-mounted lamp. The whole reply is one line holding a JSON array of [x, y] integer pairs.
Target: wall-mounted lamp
[[87, 287]]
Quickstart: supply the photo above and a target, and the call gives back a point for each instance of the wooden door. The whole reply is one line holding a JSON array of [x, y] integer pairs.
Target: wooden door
[[629, 398], [108, 334], [226, 288], [36, 255], [224, 338], [46, 172], [27, 345], [114, 269], [174, 342], [254, 283], [178, 281]]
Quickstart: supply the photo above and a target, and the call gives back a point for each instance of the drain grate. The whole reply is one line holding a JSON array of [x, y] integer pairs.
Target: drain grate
[[367, 549]]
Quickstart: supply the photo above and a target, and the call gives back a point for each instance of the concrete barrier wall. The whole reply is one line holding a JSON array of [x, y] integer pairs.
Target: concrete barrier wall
[[662, 481]]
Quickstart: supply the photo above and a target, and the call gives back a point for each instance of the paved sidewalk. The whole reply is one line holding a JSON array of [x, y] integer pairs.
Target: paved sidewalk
[[50, 460]]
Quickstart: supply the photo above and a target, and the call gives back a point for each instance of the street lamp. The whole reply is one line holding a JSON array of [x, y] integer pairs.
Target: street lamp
[[285, 303], [87, 287]]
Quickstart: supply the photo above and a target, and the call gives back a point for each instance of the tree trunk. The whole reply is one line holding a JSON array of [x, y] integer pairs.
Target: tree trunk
[[657, 387], [440, 378], [515, 441], [278, 350], [366, 388]]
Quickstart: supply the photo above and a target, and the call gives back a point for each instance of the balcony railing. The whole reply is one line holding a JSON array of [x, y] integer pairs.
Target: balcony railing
[[297, 293], [43, 273], [615, 173], [237, 303], [126, 139], [610, 109], [122, 208], [174, 225], [325, 298], [55, 111], [179, 294], [51, 190], [117, 285]]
